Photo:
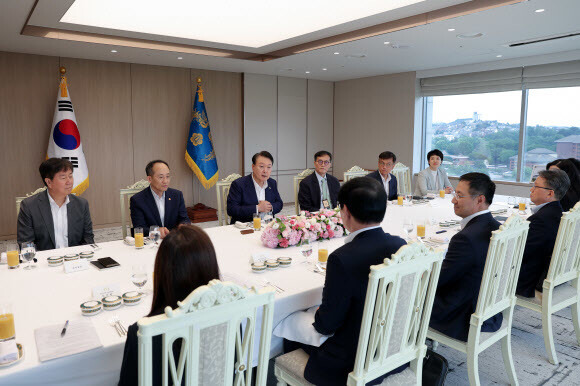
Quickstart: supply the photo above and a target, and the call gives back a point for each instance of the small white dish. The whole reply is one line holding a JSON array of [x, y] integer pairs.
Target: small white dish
[[132, 298], [54, 261], [92, 307], [20, 357], [258, 267], [111, 302]]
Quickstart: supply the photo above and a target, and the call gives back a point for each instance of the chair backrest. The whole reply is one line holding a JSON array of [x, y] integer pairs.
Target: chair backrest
[[19, 199], [565, 264], [502, 268], [403, 174], [222, 189], [355, 171], [297, 178], [125, 195], [216, 325], [397, 310]]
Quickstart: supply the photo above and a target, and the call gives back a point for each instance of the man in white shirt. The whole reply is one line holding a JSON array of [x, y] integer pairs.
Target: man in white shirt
[[387, 161], [320, 189], [55, 218]]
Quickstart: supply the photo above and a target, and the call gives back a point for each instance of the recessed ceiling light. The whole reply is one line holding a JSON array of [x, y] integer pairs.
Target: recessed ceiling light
[[540, 10], [387, 42], [470, 36], [113, 51], [179, 58], [308, 72], [324, 69], [288, 69], [337, 53], [498, 56], [355, 56], [451, 29]]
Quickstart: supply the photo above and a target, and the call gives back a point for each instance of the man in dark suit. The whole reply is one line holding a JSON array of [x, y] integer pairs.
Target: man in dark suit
[[319, 190], [548, 189], [158, 204], [256, 192], [462, 269], [363, 202], [387, 162], [55, 218]]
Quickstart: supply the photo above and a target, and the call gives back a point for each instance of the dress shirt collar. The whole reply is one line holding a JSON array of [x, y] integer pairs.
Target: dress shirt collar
[[52, 202], [467, 219], [258, 187], [538, 207], [351, 236], [320, 178], [156, 196], [385, 180]]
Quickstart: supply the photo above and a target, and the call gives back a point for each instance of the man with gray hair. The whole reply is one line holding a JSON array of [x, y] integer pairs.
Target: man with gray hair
[[548, 189]]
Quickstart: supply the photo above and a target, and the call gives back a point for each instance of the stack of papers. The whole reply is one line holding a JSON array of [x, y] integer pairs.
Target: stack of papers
[[80, 336]]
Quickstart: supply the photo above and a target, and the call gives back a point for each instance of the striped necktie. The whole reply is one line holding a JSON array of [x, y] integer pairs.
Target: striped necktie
[[325, 193]]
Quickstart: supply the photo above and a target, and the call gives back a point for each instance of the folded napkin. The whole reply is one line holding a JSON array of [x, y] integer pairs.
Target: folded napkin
[[259, 257], [129, 240], [439, 240], [298, 327]]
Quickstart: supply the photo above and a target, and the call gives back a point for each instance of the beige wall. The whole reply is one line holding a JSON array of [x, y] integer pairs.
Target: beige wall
[[127, 115]]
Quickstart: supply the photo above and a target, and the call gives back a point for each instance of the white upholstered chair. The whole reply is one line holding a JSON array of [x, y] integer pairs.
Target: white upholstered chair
[[396, 315], [125, 195], [403, 175], [561, 286], [222, 189], [217, 327], [297, 178], [19, 199], [355, 171], [497, 294]]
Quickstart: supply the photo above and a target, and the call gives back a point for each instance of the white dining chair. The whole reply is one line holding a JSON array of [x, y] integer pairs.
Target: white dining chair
[[19, 199], [560, 289], [403, 175], [222, 189], [125, 196], [216, 325], [396, 315], [297, 178], [355, 171], [496, 294]]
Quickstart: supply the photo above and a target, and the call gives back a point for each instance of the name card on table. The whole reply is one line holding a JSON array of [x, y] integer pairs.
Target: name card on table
[[76, 265], [102, 291]]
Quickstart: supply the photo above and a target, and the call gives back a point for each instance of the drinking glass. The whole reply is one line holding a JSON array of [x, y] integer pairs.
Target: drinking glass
[[139, 277], [421, 225], [306, 249], [268, 217], [322, 254], [12, 255], [154, 235], [28, 251], [408, 227], [257, 222], [7, 334], [400, 199], [139, 241], [511, 201], [522, 205], [409, 199]]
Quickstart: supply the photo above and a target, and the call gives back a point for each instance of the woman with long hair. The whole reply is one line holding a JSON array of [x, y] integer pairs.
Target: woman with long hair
[[572, 196]]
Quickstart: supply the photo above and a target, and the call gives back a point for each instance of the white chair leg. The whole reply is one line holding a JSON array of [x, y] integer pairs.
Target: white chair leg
[[548, 336], [576, 321], [472, 367], [281, 383], [508, 361]]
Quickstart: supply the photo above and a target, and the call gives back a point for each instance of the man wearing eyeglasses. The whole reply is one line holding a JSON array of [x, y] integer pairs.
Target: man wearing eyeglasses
[[319, 190], [462, 269], [548, 189], [387, 162]]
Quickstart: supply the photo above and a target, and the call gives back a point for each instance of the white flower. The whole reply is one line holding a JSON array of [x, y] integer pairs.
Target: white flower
[[323, 217], [303, 213], [275, 226], [312, 221]]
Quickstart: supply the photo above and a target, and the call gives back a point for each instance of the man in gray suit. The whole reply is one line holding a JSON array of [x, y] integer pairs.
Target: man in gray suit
[[55, 218]]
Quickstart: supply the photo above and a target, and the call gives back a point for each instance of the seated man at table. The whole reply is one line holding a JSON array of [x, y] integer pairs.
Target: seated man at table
[[55, 218], [158, 204], [462, 268], [548, 189], [319, 190], [363, 203], [256, 192], [387, 162]]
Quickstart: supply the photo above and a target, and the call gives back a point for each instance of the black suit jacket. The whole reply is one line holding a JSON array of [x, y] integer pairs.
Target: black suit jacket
[[343, 299], [392, 183], [460, 279], [35, 222], [144, 212], [542, 234], [309, 192], [242, 199]]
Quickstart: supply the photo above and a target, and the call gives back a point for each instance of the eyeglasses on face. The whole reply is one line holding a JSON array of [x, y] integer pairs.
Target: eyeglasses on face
[[321, 162], [540, 187], [457, 196]]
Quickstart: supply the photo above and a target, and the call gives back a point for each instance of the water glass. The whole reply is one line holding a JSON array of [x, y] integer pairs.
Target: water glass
[[408, 199], [139, 277], [408, 228], [268, 217], [154, 235], [28, 251], [306, 249]]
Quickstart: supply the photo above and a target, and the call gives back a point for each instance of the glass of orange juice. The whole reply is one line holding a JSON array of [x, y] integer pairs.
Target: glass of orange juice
[[322, 254], [522, 206], [7, 334], [139, 241], [257, 222], [421, 228], [12, 255], [400, 199], [442, 193]]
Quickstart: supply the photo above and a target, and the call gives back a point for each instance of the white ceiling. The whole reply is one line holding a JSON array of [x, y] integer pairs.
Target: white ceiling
[[432, 48]]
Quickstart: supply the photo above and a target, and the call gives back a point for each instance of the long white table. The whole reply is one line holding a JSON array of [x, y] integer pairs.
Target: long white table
[[47, 295]]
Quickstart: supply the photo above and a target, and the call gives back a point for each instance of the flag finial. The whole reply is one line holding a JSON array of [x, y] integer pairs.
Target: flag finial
[[198, 79], [62, 70]]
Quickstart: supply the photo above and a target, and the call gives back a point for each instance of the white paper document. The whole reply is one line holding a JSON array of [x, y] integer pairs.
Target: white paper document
[[80, 336]]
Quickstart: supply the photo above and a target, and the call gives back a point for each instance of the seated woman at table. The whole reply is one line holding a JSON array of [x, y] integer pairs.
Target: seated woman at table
[[572, 196], [434, 178], [186, 260]]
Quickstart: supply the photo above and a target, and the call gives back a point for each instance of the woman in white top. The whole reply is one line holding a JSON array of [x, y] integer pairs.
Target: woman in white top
[[434, 178]]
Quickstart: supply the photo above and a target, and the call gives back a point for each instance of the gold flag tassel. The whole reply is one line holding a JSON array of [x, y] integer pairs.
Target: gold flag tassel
[[63, 86]]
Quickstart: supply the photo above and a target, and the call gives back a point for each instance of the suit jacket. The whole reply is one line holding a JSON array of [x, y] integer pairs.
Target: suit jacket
[[392, 183], [427, 184], [343, 299], [144, 212], [309, 192], [242, 199], [35, 222], [460, 279], [542, 234]]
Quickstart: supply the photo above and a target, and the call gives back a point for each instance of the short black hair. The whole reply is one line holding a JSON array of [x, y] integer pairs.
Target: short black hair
[[480, 184], [365, 199], [52, 166], [388, 155], [149, 167], [263, 153], [435, 152], [322, 153], [554, 162], [557, 180]]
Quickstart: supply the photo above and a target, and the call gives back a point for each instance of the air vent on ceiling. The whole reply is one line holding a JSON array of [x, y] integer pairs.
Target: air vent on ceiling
[[544, 40]]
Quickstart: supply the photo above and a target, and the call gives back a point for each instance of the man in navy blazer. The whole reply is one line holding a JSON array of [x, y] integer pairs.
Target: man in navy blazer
[[462, 268], [548, 189], [313, 195], [387, 162], [158, 204], [256, 192]]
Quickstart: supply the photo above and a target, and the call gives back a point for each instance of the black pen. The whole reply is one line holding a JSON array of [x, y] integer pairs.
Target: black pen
[[64, 329]]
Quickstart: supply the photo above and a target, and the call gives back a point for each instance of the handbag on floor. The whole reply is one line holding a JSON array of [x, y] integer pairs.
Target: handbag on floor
[[435, 369]]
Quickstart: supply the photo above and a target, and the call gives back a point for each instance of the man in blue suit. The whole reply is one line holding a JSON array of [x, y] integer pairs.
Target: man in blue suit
[[462, 269], [319, 190], [548, 189], [387, 162], [158, 204], [256, 192]]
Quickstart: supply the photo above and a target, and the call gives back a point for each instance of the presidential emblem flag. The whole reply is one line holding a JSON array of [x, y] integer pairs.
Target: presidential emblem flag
[[65, 140], [199, 152]]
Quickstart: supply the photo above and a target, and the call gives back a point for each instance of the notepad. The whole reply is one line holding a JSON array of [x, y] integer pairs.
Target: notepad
[[80, 336]]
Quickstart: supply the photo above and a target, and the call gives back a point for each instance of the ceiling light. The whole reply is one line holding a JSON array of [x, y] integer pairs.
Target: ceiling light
[[451, 29], [179, 58], [114, 51], [307, 72], [337, 53], [540, 10], [498, 56], [355, 56], [324, 69], [386, 42], [470, 36]]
